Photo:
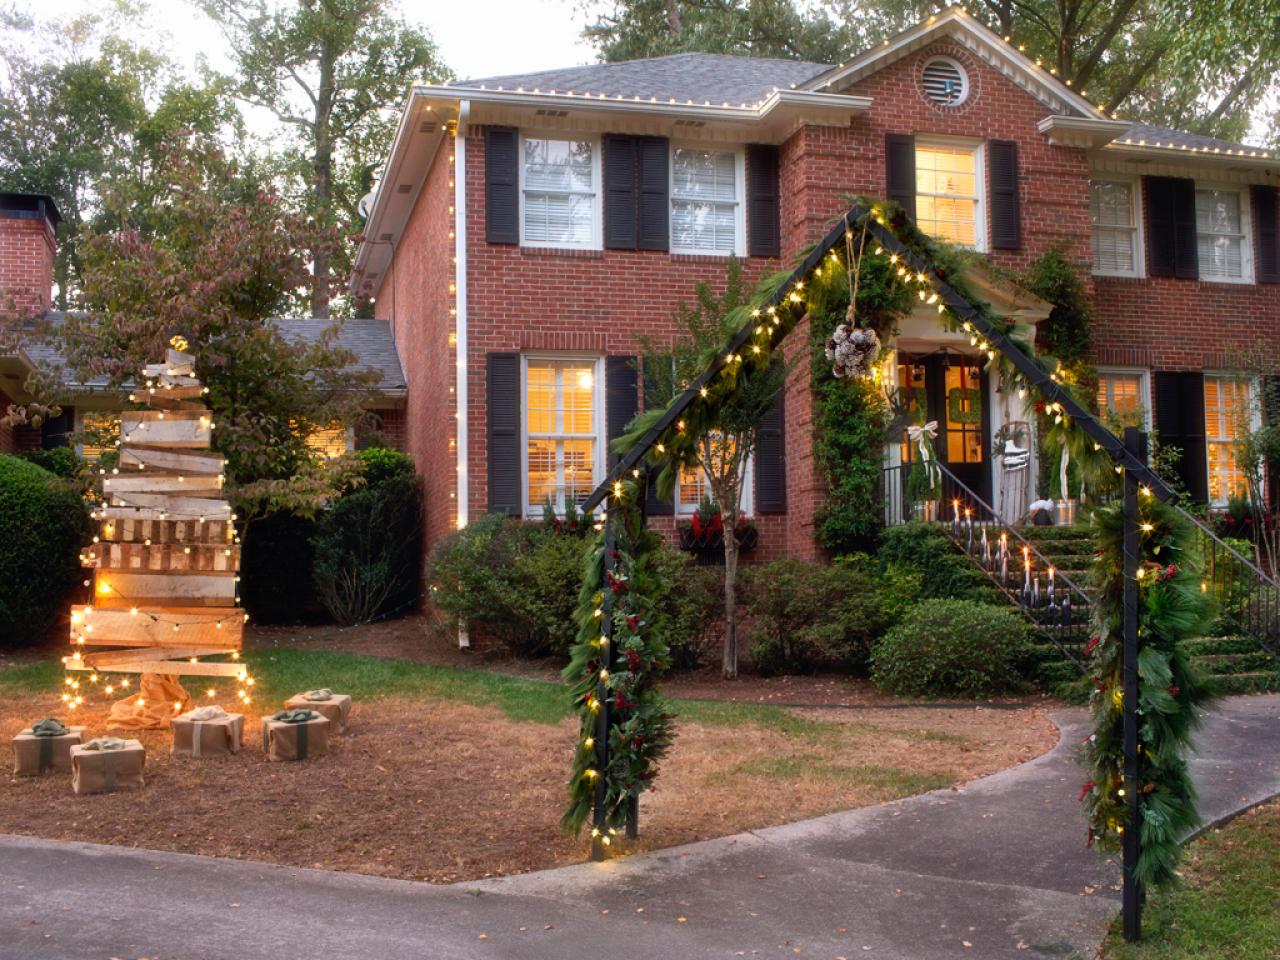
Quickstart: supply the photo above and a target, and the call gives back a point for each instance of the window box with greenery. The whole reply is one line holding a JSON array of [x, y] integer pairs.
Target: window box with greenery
[[703, 535]]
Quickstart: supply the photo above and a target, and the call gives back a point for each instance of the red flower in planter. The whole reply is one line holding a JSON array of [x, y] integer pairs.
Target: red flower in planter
[[696, 527]]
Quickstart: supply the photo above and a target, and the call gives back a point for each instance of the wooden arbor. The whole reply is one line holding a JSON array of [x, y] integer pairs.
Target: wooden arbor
[[623, 489], [165, 562]]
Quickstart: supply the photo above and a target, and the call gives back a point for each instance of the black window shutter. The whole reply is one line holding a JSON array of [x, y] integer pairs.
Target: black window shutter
[[771, 460], [655, 384], [900, 170], [1006, 221], [621, 399], [1171, 228], [501, 185], [57, 431], [653, 183], [1179, 397], [1266, 216], [764, 230], [502, 409], [1271, 416], [620, 161]]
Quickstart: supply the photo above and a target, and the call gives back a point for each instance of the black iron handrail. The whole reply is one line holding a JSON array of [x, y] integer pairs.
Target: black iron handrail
[[1056, 610]]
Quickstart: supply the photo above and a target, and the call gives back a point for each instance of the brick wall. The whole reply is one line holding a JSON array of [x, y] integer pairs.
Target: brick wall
[[415, 296], [26, 263], [392, 424]]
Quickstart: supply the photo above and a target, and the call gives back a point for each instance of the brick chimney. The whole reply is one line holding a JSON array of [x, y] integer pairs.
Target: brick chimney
[[27, 224]]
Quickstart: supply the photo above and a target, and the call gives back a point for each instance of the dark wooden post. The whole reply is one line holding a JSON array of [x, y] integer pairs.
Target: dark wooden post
[[599, 819], [1135, 442]]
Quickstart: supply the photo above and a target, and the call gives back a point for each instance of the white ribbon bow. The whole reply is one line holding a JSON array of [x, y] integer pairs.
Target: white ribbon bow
[[923, 435]]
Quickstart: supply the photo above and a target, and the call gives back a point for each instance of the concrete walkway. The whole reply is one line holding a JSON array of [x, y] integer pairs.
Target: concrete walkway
[[997, 869]]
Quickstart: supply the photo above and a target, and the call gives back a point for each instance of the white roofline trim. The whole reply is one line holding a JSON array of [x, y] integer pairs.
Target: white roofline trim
[[1164, 149], [1081, 131], [946, 23]]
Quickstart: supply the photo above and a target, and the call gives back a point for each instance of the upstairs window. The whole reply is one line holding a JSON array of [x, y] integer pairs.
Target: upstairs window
[[706, 200], [1123, 396], [948, 197], [1114, 215], [1221, 231], [562, 430], [559, 185]]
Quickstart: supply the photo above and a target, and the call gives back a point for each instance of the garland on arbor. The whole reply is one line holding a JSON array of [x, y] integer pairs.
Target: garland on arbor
[[617, 649], [1173, 608]]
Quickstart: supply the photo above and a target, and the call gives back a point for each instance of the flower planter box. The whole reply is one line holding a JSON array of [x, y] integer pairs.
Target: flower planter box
[[707, 545]]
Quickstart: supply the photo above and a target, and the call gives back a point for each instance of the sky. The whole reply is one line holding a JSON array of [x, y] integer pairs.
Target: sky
[[476, 37]]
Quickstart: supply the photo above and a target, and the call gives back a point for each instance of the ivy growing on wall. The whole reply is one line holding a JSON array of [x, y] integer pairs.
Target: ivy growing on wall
[[1067, 332]]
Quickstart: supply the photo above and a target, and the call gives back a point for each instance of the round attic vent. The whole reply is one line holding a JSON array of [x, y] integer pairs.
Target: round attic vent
[[945, 82]]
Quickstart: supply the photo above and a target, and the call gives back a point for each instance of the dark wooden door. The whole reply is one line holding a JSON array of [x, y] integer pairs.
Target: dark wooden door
[[952, 390]]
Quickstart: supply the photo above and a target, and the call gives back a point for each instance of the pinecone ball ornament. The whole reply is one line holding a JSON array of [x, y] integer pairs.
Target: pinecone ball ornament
[[853, 350]]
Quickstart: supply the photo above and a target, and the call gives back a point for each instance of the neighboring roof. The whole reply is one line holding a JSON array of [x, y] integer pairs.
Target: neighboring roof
[[703, 77], [1154, 135], [370, 340]]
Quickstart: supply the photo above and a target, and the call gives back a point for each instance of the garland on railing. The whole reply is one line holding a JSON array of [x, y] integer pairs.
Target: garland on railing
[[1173, 607], [618, 651]]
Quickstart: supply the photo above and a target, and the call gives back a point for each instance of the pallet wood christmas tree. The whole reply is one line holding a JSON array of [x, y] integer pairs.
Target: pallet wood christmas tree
[[165, 562]]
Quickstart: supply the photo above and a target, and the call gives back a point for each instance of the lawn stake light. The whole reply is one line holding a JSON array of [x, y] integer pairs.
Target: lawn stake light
[[165, 584], [658, 444]]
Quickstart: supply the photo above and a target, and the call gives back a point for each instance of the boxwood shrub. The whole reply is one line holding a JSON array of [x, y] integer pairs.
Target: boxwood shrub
[[923, 548], [952, 648], [43, 525]]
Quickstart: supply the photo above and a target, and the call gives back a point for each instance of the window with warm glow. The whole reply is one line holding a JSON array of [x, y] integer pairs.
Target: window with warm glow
[[99, 431], [693, 485], [1221, 245], [1114, 215], [329, 442], [558, 181], [1123, 394], [705, 201], [561, 431], [1226, 407], [947, 194]]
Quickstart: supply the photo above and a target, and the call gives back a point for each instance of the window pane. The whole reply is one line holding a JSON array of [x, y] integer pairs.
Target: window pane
[[703, 226], [1120, 392], [579, 391], [948, 219], [964, 414], [560, 422], [1111, 204], [558, 165], [100, 431], [559, 191], [948, 170], [704, 174], [693, 484], [540, 397], [1226, 403], [557, 217], [704, 200], [579, 475], [1219, 236], [541, 471], [1220, 256], [1114, 231]]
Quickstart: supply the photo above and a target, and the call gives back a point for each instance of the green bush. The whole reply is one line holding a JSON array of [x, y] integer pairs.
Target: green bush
[[921, 548], [276, 562], [368, 549], [60, 461], [807, 616], [688, 608], [43, 525], [380, 463], [951, 648]]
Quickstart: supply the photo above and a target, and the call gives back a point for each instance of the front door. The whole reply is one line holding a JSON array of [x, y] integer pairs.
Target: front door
[[951, 389]]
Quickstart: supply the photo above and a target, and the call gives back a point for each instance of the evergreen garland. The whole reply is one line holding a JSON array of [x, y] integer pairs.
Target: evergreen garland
[[640, 723], [1173, 608]]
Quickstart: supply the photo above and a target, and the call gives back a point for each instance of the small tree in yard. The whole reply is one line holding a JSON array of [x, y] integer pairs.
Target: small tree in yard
[[214, 257], [723, 452]]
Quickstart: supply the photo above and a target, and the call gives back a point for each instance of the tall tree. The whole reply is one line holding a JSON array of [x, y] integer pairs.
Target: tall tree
[[335, 73], [84, 105], [724, 452]]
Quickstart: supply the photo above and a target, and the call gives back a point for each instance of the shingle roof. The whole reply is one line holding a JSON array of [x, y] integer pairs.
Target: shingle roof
[[369, 340], [1160, 135], [701, 77]]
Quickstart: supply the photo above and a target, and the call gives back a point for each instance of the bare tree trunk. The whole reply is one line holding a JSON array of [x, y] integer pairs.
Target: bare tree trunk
[[729, 664], [323, 171]]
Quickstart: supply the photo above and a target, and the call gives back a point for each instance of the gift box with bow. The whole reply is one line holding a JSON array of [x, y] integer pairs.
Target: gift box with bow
[[207, 731], [295, 735], [335, 706], [45, 747], [107, 764]]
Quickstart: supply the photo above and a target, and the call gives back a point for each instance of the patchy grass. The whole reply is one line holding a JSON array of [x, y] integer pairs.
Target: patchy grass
[[1228, 906], [817, 768]]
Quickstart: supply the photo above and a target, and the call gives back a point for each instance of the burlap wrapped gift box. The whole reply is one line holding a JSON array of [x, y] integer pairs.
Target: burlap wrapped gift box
[[107, 764], [207, 732], [44, 747], [295, 735], [335, 706]]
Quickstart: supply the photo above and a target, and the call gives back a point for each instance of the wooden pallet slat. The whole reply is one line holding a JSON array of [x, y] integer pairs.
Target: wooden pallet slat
[[171, 460]]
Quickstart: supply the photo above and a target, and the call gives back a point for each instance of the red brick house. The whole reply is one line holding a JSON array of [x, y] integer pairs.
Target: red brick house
[[528, 230], [28, 224]]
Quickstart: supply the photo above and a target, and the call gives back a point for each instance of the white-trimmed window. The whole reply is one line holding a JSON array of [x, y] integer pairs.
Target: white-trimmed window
[[706, 201], [1125, 393], [949, 192], [1226, 409], [560, 195], [99, 431], [693, 486], [1222, 234], [563, 456], [1117, 237]]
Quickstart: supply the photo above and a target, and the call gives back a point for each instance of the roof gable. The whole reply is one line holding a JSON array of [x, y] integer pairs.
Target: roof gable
[[956, 25]]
